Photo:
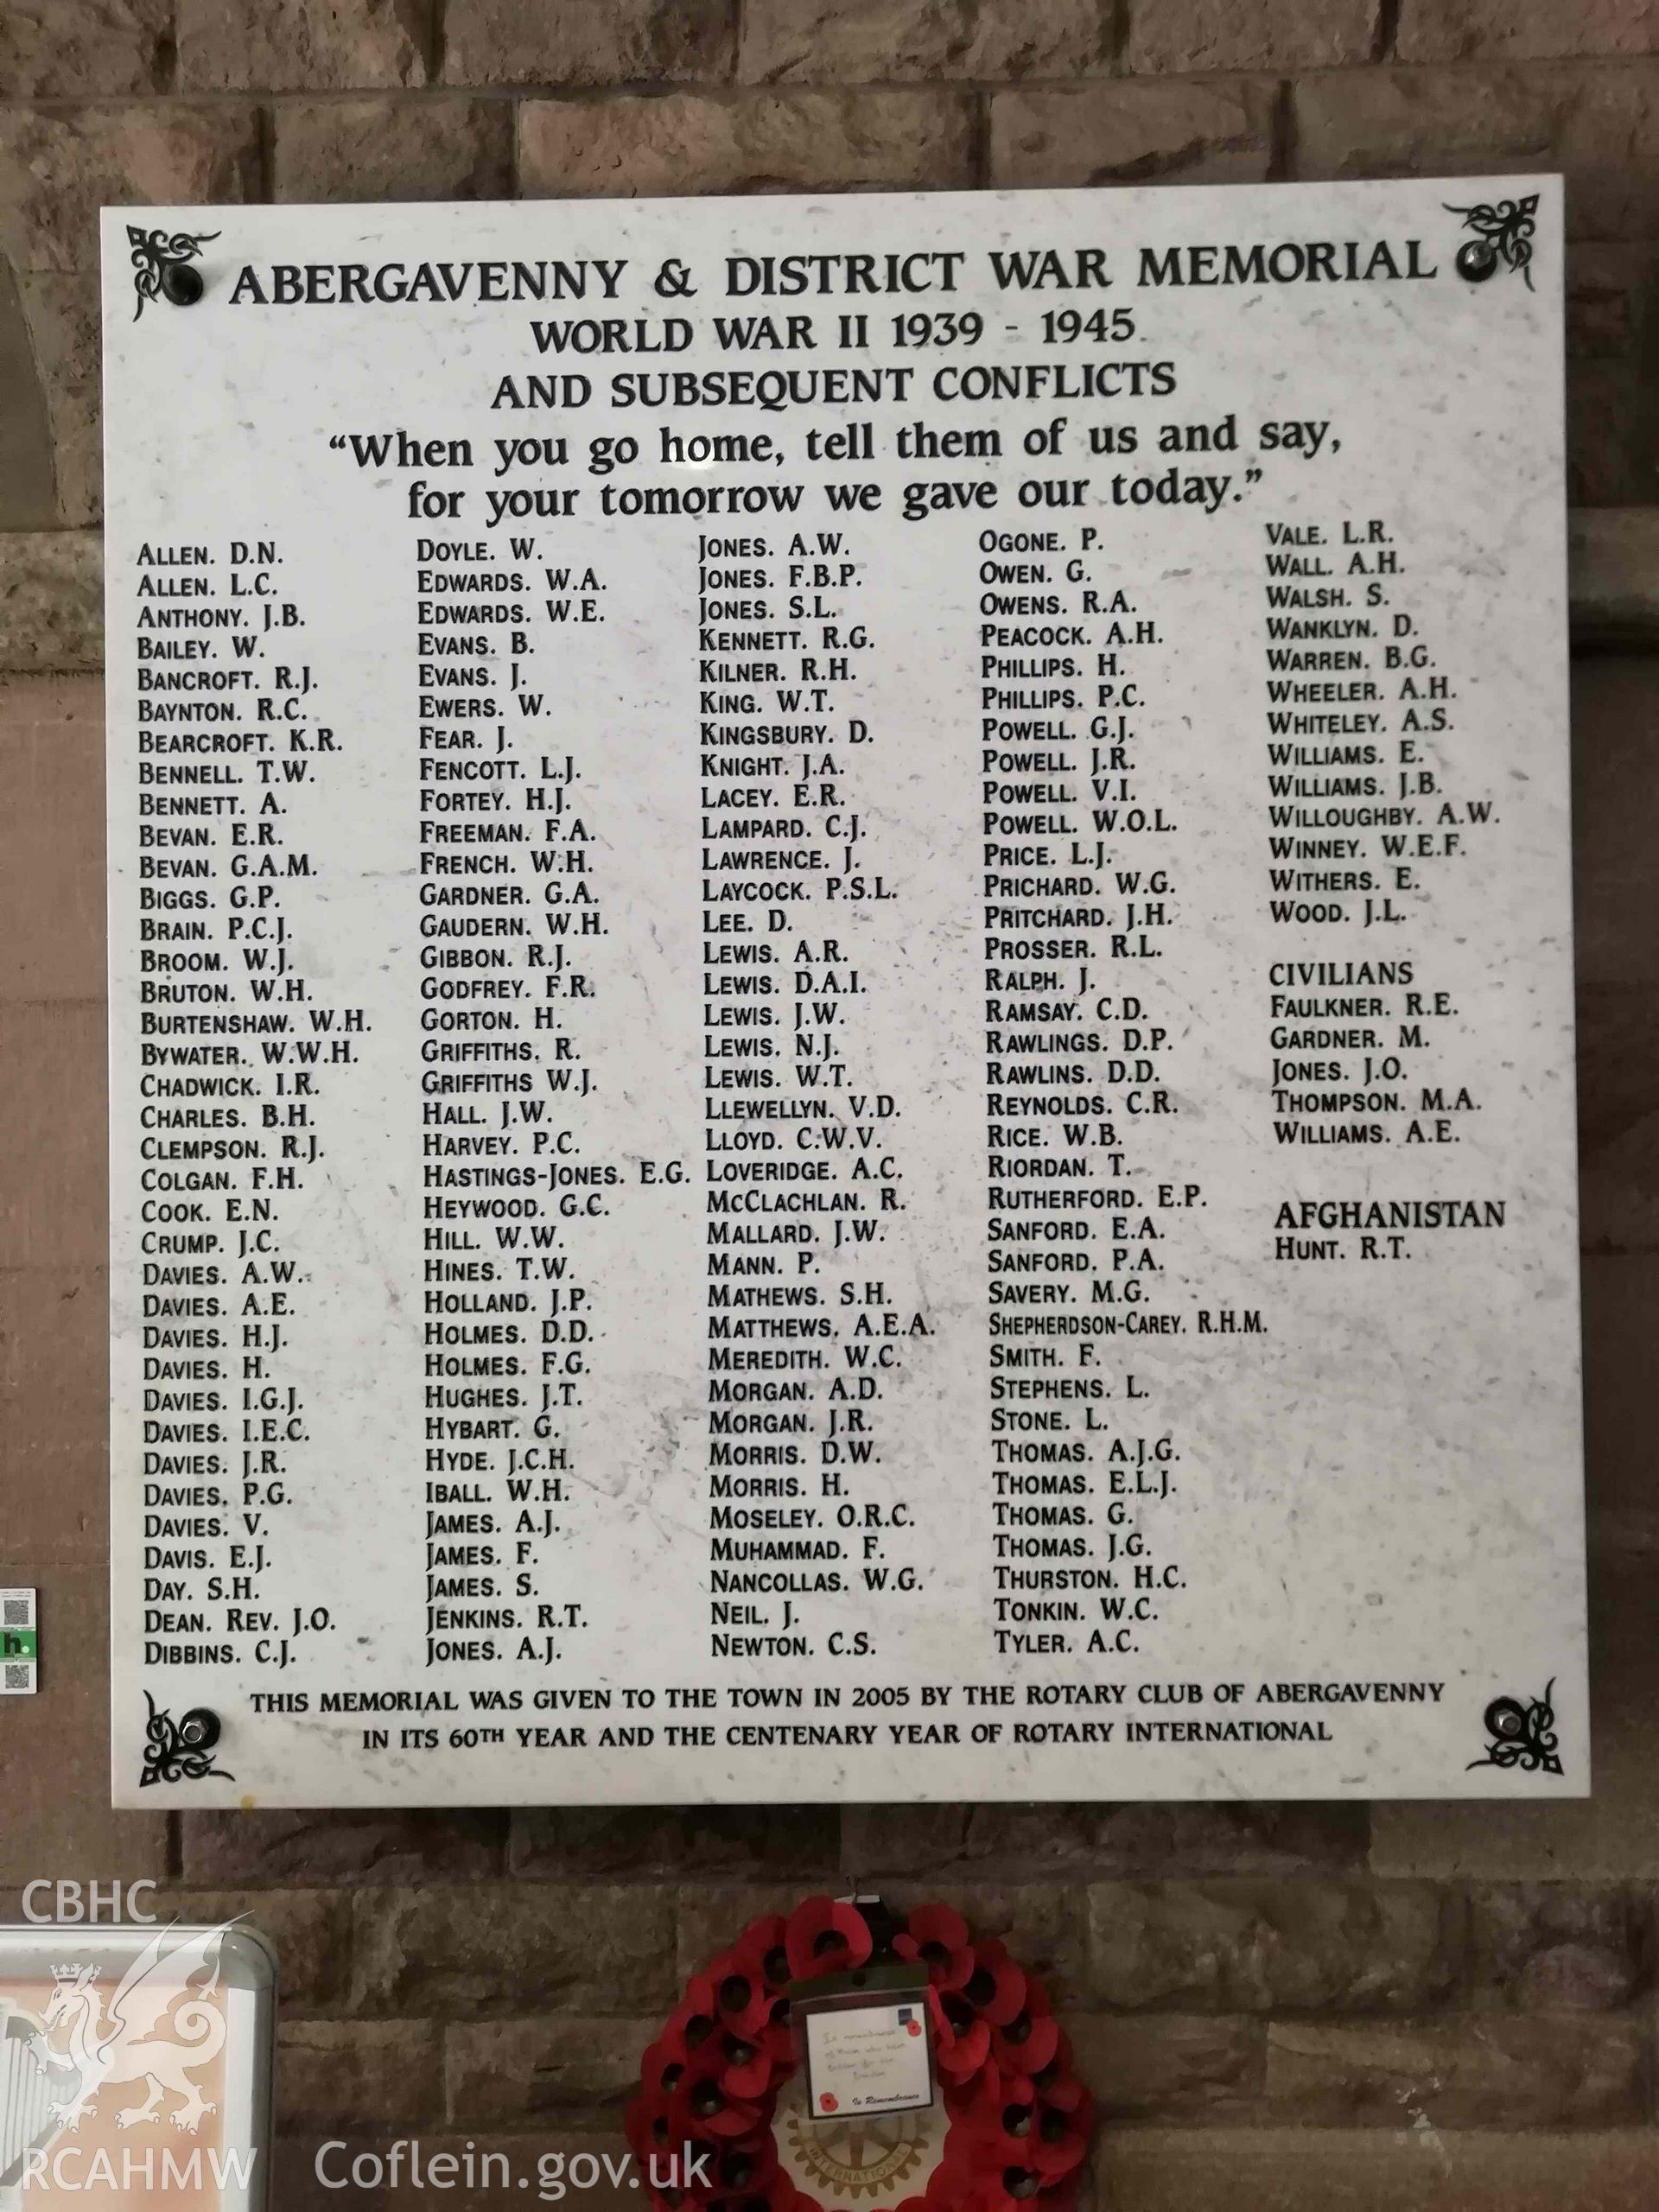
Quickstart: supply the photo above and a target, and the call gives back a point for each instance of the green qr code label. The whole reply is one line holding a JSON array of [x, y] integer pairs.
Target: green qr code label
[[19, 1643]]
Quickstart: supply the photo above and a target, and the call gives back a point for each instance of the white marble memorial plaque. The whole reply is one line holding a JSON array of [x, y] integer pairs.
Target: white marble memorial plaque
[[841, 1021]]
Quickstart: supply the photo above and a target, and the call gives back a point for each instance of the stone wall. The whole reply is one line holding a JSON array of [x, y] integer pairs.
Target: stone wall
[[1281, 2007]]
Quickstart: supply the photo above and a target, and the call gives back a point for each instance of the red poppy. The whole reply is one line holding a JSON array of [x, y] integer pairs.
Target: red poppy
[[700, 2106], [1060, 2064], [1065, 2154], [745, 2167], [996, 1987], [759, 1953], [747, 2072], [659, 2069], [825, 1936], [691, 2022], [987, 2191], [939, 1938], [741, 1998], [1061, 2195], [1011, 2127], [1064, 2121], [961, 2044], [953, 2176], [647, 2124], [780, 2195], [980, 2103], [1031, 2040]]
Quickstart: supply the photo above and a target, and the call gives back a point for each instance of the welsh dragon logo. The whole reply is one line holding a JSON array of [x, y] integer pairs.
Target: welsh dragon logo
[[159, 2025]]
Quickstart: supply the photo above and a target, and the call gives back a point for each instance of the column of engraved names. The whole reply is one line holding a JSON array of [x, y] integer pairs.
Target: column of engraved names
[[803, 1158], [513, 1194], [1366, 811], [238, 1057], [1080, 883]]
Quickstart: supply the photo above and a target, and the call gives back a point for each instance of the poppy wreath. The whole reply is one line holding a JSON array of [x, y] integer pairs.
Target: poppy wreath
[[1018, 2118]]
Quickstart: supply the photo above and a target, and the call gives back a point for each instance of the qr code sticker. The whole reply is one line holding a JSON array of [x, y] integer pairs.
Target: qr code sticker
[[20, 1678], [16, 1613]]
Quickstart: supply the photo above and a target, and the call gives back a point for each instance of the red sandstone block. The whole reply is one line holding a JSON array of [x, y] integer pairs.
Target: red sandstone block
[[891, 139], [1214, 131], [1183, 36]]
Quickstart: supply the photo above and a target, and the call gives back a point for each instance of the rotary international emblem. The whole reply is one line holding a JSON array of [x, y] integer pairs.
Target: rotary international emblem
[[870, 2161]]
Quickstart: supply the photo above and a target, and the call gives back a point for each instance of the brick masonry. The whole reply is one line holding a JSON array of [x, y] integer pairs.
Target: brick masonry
[[1406, 2008]]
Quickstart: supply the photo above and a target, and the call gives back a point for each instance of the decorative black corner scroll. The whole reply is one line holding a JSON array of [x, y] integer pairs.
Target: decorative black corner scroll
[[181, 1750], [1503, 236], [1522, 1735], [161, 266]]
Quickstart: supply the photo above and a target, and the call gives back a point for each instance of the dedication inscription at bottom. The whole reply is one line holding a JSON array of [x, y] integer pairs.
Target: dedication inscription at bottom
[[841, 1011]]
